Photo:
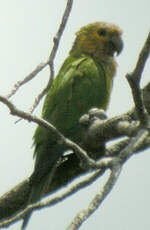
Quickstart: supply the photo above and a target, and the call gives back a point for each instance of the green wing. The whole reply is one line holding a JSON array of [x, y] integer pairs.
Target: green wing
[[79, 85]]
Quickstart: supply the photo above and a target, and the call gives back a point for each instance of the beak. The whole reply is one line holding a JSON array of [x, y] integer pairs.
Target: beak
[[117, 43]]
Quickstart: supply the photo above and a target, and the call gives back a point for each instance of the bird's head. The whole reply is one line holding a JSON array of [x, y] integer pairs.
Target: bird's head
[[100, 40]]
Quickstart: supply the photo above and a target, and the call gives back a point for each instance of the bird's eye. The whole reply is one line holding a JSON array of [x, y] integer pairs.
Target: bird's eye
[[102, 32]]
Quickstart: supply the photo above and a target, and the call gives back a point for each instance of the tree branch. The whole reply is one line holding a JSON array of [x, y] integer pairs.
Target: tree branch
[[115, 172], [102, 165], [13, 198], [83, 156], [98, 131], [53, 201], [28, 78], [98, 199], [134, 82]]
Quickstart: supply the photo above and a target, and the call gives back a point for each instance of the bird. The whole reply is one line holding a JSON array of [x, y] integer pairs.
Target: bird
[[84, 80]]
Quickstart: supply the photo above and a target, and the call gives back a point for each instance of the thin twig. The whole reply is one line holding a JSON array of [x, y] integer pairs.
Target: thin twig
[[97, 201], [134, 82], [143, 56], [29, 77], [50, 61], [134, 144]]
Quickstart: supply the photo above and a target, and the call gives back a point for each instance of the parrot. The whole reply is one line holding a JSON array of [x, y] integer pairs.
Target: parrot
[[84, 81]]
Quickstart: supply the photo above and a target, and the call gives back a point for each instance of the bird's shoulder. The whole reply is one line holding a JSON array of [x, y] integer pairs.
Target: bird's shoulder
[[82, 67]]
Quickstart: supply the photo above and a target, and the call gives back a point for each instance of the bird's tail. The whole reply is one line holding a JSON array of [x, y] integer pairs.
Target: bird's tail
[[40, 181], [37, 191]]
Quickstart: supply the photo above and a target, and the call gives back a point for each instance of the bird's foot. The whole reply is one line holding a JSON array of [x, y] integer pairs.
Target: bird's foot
[[92, 114]]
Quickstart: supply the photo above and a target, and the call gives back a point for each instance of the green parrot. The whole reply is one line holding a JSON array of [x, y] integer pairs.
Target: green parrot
[[84, 81]]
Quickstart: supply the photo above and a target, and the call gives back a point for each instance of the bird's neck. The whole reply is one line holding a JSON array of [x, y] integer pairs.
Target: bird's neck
[[110, 65]]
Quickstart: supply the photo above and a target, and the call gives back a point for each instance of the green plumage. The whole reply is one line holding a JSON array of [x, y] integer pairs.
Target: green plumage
[[84, 81], [81, 84]]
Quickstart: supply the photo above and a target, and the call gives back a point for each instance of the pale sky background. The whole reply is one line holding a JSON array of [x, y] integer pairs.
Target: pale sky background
[[27, 30]]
